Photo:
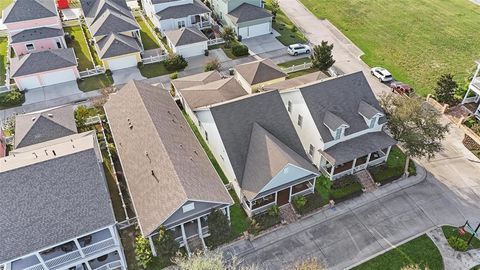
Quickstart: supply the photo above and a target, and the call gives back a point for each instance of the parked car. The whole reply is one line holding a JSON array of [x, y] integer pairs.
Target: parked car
[[296, 49], [382, 74], [401, 88]]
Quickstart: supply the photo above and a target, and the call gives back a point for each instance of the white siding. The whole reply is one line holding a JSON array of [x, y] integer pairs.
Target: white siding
[[191, 49], [243, 82]]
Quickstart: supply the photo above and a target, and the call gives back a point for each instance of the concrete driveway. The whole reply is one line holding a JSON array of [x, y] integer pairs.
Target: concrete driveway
[[51, 92], [263, 44], [123, 76]]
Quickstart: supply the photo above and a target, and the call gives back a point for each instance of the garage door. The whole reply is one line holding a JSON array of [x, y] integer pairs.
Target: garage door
[[58, 77], [124, 62], [191, 50], [29, 83], [255, 30]]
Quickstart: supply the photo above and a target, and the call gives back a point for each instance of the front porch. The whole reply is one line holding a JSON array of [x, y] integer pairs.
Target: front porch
[[471, 99], [281, 197], [336, 170], [202, 21]]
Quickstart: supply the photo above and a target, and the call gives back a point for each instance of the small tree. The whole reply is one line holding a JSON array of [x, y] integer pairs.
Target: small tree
[[415, 126], [228, 34], [81, 115], [99, 101], [218, 226], [213, 64], [445, 89], [414, 267], [143, 254], [275, 8], [310, 264], [322, 57], [209, 261], [166, 244]]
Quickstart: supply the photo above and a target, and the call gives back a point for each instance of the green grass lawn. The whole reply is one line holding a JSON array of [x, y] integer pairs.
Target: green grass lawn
[[416, 40], [421, 251], [95, 82], [3, 59], [80, 46], [449, 231], [4, 4], [96, 59], [295, 62], [113, 190], [148, 38], [227, 51], [393, 168], [153, 70], [283, 25], [301, 72]]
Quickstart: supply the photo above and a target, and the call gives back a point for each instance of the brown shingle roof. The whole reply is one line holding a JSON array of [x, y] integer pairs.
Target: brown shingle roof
[[197, 79], [297, 81], [163, 163], [260, 71]]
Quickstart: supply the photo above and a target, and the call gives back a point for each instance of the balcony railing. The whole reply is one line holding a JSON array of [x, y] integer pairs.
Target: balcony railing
[[88, 250], [35, 267], [66, 258], [108, 266]]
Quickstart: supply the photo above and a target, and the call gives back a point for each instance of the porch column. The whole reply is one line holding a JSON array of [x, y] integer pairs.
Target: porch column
[[276, 198], [228, 212], [184, 238], [466, 94], [290, 194], [314, 180], [368, 160], [79, 247], [152, 246], [199, 225], [332, 170], [388, 153], [353, 165], [42, 262]]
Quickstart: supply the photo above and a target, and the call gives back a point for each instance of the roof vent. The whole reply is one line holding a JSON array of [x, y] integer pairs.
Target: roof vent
[[35, 154], [181, 146], [33, 118], [195, 151], [50, 115]]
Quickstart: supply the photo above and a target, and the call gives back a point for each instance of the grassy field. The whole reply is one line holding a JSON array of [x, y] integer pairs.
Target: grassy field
[[283, 25], [148, 38], [4, 4], [80, 46], [95, 82], [421, 251], [416, 40], [3, 59], [295, 62]]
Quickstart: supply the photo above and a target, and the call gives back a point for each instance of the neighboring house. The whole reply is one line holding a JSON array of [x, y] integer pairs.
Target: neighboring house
[[247, 17], [187, 42], [170, 180], [257, 147], [33, 26], [62, 218], [339, 122], [44, 68], [42, 126], [255, 75], [473, 93], [167, 15], [296, 82], [115, 32]]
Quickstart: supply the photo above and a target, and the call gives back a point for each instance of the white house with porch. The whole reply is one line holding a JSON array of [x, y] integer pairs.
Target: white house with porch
[[471, 99], [167, 15], [171, 182], [339, 122], [62, 218]]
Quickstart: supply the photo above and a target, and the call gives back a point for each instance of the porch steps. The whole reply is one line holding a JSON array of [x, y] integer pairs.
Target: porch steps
[[287, 213], [366, 181], [195, 244]]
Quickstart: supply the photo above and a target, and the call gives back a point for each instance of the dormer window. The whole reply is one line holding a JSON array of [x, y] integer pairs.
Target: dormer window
[[372, 122], [369, 113], [338, 134]]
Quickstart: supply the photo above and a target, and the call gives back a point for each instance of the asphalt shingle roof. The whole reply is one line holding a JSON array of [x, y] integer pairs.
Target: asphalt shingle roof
[[50, 60], [296, 82], [117, 44], [235, 121], [260, 71], [247, 12], [181, 11], [25, 10], [196, 79], [185, 36], [340, 96], [67, 197], [163, 162], [37, 33], [112, 22]]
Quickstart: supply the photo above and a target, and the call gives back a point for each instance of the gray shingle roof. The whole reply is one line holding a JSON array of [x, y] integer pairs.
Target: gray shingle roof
[[181, 11], [235, 121], [296, 82], [358, 147], [247, 12], [112, 22], [25, 10], [212, 93], [185, 36], [266, 157], [37, 127], [196, 79], [333, 122], [117, 44], [367, 110], [50, 60], [260, 71], [340, 96], [37, 33], [163, 162], [67, 197]]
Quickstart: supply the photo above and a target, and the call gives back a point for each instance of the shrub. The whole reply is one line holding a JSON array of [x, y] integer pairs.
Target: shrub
[[175, 62], [219, 227], [108, 72], [13, 97], [239, 49], [294, 29], [139, 64], [213, 64], [174, 75], [457, 243], [81, 115], [143, 254], [274, 211], [166, 245], [299, 201]]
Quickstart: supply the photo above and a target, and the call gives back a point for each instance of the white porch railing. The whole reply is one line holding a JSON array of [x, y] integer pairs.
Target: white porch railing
[[203, 25], [303, 192], [377, 161], [469, 100], [98, 246], [476, 83], [6, 88], [66, 258], [154, 59], [92, 72], [215, 41], [108, 266], [262, 208], [295, 68]]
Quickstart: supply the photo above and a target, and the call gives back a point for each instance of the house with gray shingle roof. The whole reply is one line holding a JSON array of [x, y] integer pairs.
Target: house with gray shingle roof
[[258, 74], [187, 41], [168, 15], [170, 179], [62, 218], [256, 145], [115, 32], [247, 17], [340, 124]]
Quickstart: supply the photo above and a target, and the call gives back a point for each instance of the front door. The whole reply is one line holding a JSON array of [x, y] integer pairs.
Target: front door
[[283, 196]]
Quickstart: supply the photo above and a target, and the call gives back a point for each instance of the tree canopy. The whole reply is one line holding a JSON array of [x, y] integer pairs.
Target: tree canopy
[[322, 57], [445, 89]]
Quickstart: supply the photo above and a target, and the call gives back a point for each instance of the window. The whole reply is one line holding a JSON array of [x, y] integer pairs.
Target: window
[[181, 24], [206, 136], [300, 120], [311, 151], [338, 133], [188, 207], [289, 106], [59, 45], [30, 47], [372, 122]]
